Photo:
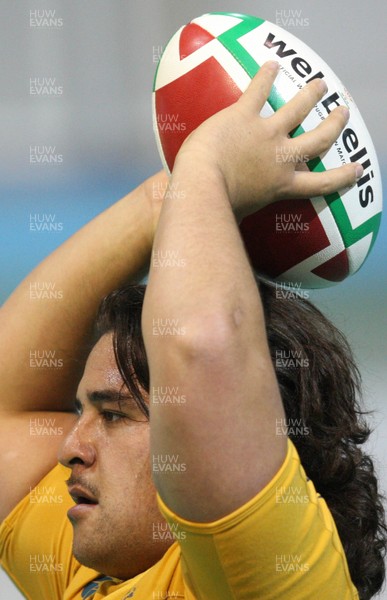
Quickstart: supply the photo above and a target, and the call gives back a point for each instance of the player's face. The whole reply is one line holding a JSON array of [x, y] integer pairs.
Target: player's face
[[116, 514]]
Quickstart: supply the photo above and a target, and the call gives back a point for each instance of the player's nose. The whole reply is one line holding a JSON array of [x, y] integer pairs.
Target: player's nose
[[78, 447]]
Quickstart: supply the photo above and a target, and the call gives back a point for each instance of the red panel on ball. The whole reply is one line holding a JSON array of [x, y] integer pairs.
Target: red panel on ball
[[192, 38], [190, 100], [336, 269], [281, 235]]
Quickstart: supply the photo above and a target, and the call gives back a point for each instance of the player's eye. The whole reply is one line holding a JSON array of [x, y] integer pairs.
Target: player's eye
[[112, 417]]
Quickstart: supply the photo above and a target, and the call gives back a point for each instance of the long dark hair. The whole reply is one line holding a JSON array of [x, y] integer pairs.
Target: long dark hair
[[323, 398]]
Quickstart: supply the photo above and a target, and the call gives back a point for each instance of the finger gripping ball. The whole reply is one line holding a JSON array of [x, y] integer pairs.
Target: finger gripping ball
[[204, 68]]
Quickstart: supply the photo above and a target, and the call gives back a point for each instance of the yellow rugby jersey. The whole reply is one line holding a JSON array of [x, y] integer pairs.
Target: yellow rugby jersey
[[282, 544]]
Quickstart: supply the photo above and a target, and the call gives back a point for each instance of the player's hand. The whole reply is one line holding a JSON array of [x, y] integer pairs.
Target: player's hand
[[255, 156]]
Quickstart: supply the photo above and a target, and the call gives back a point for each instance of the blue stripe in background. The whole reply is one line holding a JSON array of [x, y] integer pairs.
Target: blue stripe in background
[[76, 201]]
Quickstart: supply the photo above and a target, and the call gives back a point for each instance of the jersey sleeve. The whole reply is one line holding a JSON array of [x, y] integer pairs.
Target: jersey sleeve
[[36, 540], [281, 544]]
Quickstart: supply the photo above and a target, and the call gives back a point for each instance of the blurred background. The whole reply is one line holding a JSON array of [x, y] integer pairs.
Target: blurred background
[[99, 57]]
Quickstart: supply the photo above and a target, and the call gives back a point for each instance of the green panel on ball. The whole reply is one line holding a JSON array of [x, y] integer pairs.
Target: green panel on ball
[[352, 235]]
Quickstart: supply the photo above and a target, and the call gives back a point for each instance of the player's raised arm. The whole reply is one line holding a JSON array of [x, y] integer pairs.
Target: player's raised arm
[[44, 343], [203, 322]]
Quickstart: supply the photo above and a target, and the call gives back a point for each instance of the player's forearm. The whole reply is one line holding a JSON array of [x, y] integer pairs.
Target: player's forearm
[[199, 269], [44, 341]]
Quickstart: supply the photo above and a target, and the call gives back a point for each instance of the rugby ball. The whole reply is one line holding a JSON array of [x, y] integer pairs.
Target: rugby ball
[[204, 68]]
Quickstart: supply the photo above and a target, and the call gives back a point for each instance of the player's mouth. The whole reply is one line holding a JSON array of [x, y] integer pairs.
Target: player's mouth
[[84, 502]]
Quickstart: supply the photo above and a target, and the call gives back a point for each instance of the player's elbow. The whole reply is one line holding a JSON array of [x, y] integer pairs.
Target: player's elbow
[[204, 337]]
